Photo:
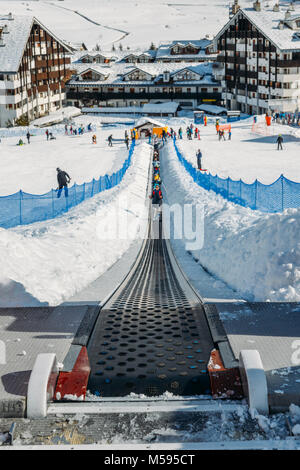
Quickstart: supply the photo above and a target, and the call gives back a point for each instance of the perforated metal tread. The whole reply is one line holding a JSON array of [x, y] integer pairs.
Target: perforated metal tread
[[150, 338]]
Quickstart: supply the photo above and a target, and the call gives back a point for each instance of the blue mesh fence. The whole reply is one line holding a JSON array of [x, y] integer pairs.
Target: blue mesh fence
[[23, 208], [275, 197]]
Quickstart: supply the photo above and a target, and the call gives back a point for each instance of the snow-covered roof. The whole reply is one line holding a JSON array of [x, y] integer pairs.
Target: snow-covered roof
[[114, 73], [148, 108], [212, 109], [113, 110], [116, 56], [57, 116], [267, 22], [145, 120], [15, 40], [164, 49], [153, 108]]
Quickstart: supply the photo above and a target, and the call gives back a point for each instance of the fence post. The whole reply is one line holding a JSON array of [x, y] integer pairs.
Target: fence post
[[228, 188], [93, 188], [21, 197], [282, 195], [240, 189], [52, 196], [83, 192], [255, 204]]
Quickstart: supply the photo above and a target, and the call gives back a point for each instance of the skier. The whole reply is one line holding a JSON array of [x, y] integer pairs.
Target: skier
[[180, 133], [47, 134], [66, 129], [229, 135], [127, 141], [28, 137], [199, 158], [94, 139], [279, 142], [110, 140], [156, 195], [63, 180]]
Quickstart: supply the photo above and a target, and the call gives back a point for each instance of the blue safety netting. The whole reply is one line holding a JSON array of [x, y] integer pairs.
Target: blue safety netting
[[275, 197], [23, 208]]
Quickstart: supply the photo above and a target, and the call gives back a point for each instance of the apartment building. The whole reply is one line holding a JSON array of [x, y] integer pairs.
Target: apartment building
[[34, 66], [192, 51], [123, 84], [259, 59]]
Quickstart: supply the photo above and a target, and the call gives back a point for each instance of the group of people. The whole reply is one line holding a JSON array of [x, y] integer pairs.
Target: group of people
[[221, 132], [74, 131], [156, 195], [286, 118], [126, 140], [190, 131]]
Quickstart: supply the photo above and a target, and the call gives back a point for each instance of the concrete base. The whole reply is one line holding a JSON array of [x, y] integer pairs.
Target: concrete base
[[273, 329], [27, 332]]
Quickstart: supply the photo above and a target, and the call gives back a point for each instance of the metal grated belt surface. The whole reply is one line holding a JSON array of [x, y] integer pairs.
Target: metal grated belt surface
[[150, 338]]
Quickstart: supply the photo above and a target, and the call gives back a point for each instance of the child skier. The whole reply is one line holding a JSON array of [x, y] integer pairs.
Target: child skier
[[156, 195]]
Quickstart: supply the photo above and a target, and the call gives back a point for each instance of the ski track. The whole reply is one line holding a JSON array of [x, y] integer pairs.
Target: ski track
[[76, 12]]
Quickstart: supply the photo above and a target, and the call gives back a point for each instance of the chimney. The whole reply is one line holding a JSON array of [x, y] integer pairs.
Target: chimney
[[235, 7], [291, 7], [10, 16], [1, 42], [287, 15], [5, 29], [257, 6], [276, 7]]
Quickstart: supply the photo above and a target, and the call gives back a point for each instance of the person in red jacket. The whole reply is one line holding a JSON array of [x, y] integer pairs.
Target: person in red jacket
[[156, 195]]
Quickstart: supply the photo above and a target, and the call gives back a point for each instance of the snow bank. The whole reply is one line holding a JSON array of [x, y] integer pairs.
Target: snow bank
[[50, 261], [255, 254], [57, 117]]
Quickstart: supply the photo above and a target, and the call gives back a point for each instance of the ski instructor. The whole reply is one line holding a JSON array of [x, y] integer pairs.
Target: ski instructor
[[63, 180]]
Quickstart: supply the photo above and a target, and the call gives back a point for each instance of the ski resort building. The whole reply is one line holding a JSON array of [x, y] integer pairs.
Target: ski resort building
[[34, 66], [186, 51], [193, 51], [259, 59], [122, 85]]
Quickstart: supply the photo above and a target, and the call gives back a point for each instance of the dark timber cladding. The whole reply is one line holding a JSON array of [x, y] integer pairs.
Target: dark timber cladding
[[241, 31], [151, 337], [42, 72]]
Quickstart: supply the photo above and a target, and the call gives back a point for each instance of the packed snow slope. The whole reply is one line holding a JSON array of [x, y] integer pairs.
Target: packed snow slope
[[32, 167], [48, 262], [133, 23], [255, 254], [248, 155]]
